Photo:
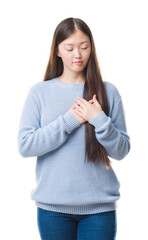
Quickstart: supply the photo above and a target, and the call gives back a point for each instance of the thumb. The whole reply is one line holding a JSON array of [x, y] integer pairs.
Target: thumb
[[95, 99], [94, 96]]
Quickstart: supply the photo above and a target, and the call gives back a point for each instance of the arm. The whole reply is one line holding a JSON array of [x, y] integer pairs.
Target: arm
[[111, 132], [34, 140]]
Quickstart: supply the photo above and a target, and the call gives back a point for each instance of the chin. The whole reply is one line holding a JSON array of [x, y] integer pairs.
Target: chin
[[78, 68]]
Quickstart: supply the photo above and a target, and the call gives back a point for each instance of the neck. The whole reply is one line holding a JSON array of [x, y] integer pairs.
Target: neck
[[72, 77]]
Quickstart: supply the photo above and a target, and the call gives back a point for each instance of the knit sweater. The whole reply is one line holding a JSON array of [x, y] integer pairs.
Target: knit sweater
[[65, 182]]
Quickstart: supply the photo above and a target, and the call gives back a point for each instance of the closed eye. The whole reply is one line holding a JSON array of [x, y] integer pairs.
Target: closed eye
[[69, 50]]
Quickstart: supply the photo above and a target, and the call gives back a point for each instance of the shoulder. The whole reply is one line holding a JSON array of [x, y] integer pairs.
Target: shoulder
[[112, 91], [41, 87]]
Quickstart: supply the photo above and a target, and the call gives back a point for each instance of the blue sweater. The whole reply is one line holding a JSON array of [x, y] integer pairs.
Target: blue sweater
[[64, 181]]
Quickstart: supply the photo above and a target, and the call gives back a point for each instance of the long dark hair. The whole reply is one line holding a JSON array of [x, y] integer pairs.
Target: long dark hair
[[93, 82]]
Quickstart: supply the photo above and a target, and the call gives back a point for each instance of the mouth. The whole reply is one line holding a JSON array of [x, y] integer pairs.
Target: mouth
[[78, 62]]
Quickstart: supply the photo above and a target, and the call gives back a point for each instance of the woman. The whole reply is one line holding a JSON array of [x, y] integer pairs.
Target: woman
[[73, 121]]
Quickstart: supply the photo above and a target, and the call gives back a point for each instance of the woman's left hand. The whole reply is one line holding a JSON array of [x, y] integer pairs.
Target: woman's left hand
[[87, 110]]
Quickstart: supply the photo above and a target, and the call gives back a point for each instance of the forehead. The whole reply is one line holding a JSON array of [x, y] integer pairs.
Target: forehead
[[78, 37]]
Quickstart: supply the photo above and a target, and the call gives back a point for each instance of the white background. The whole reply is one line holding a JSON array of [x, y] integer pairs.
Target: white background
[[120, 33]]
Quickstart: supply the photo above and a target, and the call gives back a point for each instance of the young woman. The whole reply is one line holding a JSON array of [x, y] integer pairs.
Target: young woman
[[73, 121]]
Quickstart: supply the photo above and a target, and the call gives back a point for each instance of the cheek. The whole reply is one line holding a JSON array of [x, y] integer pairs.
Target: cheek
[[67, 61], [87, 55], [66, 58]]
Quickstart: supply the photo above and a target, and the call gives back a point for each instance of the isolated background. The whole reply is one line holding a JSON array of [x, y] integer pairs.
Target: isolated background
[[120, 33]]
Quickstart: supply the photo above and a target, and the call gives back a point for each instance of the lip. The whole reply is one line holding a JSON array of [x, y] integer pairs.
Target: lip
[[78, 62]]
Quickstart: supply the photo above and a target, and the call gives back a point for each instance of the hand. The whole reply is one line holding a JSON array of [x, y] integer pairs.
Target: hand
[[87, 109], [72, 111]]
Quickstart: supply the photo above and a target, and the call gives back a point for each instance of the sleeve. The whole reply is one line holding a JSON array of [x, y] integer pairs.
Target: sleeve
[[34, 140], [111, 132]]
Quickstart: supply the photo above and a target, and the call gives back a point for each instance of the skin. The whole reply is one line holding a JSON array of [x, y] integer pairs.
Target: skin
[[77, 47]]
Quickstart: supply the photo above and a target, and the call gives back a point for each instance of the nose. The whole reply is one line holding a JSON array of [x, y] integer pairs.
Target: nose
[[77, 54]]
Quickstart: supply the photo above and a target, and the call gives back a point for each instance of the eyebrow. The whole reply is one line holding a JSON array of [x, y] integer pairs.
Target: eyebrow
[[72, 44]]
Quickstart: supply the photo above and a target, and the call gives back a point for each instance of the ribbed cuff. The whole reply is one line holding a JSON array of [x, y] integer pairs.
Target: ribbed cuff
[[71, 121], [99, 120]]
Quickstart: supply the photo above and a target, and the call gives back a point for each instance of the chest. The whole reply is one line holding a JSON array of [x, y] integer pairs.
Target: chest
[[53, 105]]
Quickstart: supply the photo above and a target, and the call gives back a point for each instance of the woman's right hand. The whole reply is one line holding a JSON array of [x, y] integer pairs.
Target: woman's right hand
[[71, 110], [81, 120]]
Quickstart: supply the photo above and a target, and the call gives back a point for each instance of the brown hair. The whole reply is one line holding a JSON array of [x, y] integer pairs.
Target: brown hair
[[93, 83]]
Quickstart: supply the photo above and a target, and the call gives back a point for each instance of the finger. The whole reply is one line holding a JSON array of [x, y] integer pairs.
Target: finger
[[77, 112], [96, 102], [83, 101], [78, 108], [82, 104], [74, 105], [91, 101]]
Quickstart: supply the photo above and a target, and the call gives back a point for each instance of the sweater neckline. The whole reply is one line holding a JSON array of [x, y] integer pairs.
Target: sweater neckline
[[69, 85]]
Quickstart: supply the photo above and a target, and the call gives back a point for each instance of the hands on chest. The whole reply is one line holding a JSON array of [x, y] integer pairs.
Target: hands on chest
[[84, 110]]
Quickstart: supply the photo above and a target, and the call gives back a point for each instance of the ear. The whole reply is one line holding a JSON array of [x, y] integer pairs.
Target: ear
[[58, 53]]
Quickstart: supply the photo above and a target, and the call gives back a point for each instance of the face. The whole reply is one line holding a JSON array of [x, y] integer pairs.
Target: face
[[75, 51]]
